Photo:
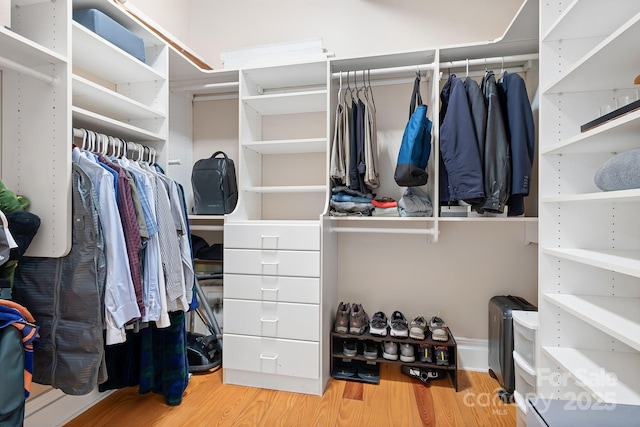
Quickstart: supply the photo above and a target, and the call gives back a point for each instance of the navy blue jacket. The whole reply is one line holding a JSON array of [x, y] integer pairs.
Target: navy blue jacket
[[522, 139], [459, 146]]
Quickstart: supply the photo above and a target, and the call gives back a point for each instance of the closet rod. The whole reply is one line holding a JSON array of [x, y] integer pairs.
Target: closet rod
[[215, 87], [493, 60], [391, 70], [15, 66], [428, 231], [512, 70]]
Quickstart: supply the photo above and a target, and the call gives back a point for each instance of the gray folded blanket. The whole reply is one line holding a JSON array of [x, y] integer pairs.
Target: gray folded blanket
[[621, 172]]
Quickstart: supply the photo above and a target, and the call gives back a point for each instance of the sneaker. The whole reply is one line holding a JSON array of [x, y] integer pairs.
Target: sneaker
[[426, 353], [350, 347], [407, 352], [442, 354], [399, 326], [378, 324], [438, 329], [370, 350], [390, 350], [424, 374], [417, 327], [359, 320], [342, 318]]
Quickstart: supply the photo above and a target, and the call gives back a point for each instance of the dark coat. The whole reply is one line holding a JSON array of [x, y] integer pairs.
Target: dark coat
[[459, 146], [497, 153], [522, 139]]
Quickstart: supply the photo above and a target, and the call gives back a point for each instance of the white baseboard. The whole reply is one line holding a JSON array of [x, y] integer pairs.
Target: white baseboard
[[473, 354], [54, 408]]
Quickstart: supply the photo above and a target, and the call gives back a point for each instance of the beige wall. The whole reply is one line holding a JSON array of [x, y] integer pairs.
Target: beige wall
[[347, 27]]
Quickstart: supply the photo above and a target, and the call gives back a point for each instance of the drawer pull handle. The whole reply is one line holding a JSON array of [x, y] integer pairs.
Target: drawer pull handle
[[264, 319], [270, 289], [262, 356]]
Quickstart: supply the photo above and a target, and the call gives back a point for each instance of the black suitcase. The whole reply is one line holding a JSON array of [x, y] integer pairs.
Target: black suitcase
[[501, 366]]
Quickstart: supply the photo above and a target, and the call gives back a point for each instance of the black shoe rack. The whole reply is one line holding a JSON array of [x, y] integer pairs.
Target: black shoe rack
[[342, 365]]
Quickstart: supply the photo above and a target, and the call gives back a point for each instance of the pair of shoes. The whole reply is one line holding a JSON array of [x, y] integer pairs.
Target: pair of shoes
[[399, 325], [354, 369], [439, 330], [351, 319], [417, 327], [441, 353], [392, 350], [423, 374], [378, 324]]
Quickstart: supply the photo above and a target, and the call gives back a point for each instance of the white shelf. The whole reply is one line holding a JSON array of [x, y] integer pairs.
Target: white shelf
[[621, 196], [25, 51], [288, 103], [291, 75], [571, 24], [616, 316], [287, 189], [617, 135], [194, 217], [91, 96], [609, 376], [309, 145], [487, 219], [97, 56], [86, 119], [610, 65], [621, 261]]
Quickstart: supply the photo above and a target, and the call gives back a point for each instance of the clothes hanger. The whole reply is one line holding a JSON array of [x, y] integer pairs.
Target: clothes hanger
[[467, 69]]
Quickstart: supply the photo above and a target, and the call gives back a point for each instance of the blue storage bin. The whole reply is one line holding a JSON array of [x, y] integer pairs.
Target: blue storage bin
[[110, 30]]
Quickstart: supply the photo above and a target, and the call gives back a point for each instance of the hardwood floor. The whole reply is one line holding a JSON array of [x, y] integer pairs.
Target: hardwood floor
[[398, 400]]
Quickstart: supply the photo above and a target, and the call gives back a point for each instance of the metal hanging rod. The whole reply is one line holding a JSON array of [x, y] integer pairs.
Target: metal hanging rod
[[376, 72], [15, 66], [486, 61]]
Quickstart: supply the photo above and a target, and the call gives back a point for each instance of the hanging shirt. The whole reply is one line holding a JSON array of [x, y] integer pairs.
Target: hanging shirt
[[119, 296]]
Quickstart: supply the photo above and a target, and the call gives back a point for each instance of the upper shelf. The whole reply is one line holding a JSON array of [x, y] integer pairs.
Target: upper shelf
[[289, 146], [621, 261], [617, 135], [26, 52], [96, 55], [288, 103], [602, 196], [295, 75], [609, 65], [571, 23], [90, 120], [91, 96]]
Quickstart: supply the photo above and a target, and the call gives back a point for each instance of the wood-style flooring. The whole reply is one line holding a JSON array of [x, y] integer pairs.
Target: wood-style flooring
[[397, 401]]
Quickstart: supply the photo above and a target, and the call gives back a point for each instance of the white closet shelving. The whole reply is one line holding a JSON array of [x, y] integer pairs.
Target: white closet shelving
[[128, 100], [272, 240], [35, 63], [589, 258]]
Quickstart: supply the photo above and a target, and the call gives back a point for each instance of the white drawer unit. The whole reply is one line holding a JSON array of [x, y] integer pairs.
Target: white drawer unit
[[272, 262], [525, 377], [525, 332], [271, 356], [272, 319], [264, 235], [272, 288]]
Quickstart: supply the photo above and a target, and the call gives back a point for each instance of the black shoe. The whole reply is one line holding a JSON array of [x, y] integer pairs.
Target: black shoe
[[370, 350], [442, 355], [426, 353], [350, 347]]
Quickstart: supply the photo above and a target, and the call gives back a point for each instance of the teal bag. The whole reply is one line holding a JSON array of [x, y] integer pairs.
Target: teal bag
[[12, 374], [416, 144]]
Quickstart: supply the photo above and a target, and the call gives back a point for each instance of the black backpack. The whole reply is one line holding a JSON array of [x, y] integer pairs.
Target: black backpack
[[215, 190]]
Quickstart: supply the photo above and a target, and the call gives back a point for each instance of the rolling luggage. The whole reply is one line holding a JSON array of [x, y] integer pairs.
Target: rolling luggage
[[501, 365]]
